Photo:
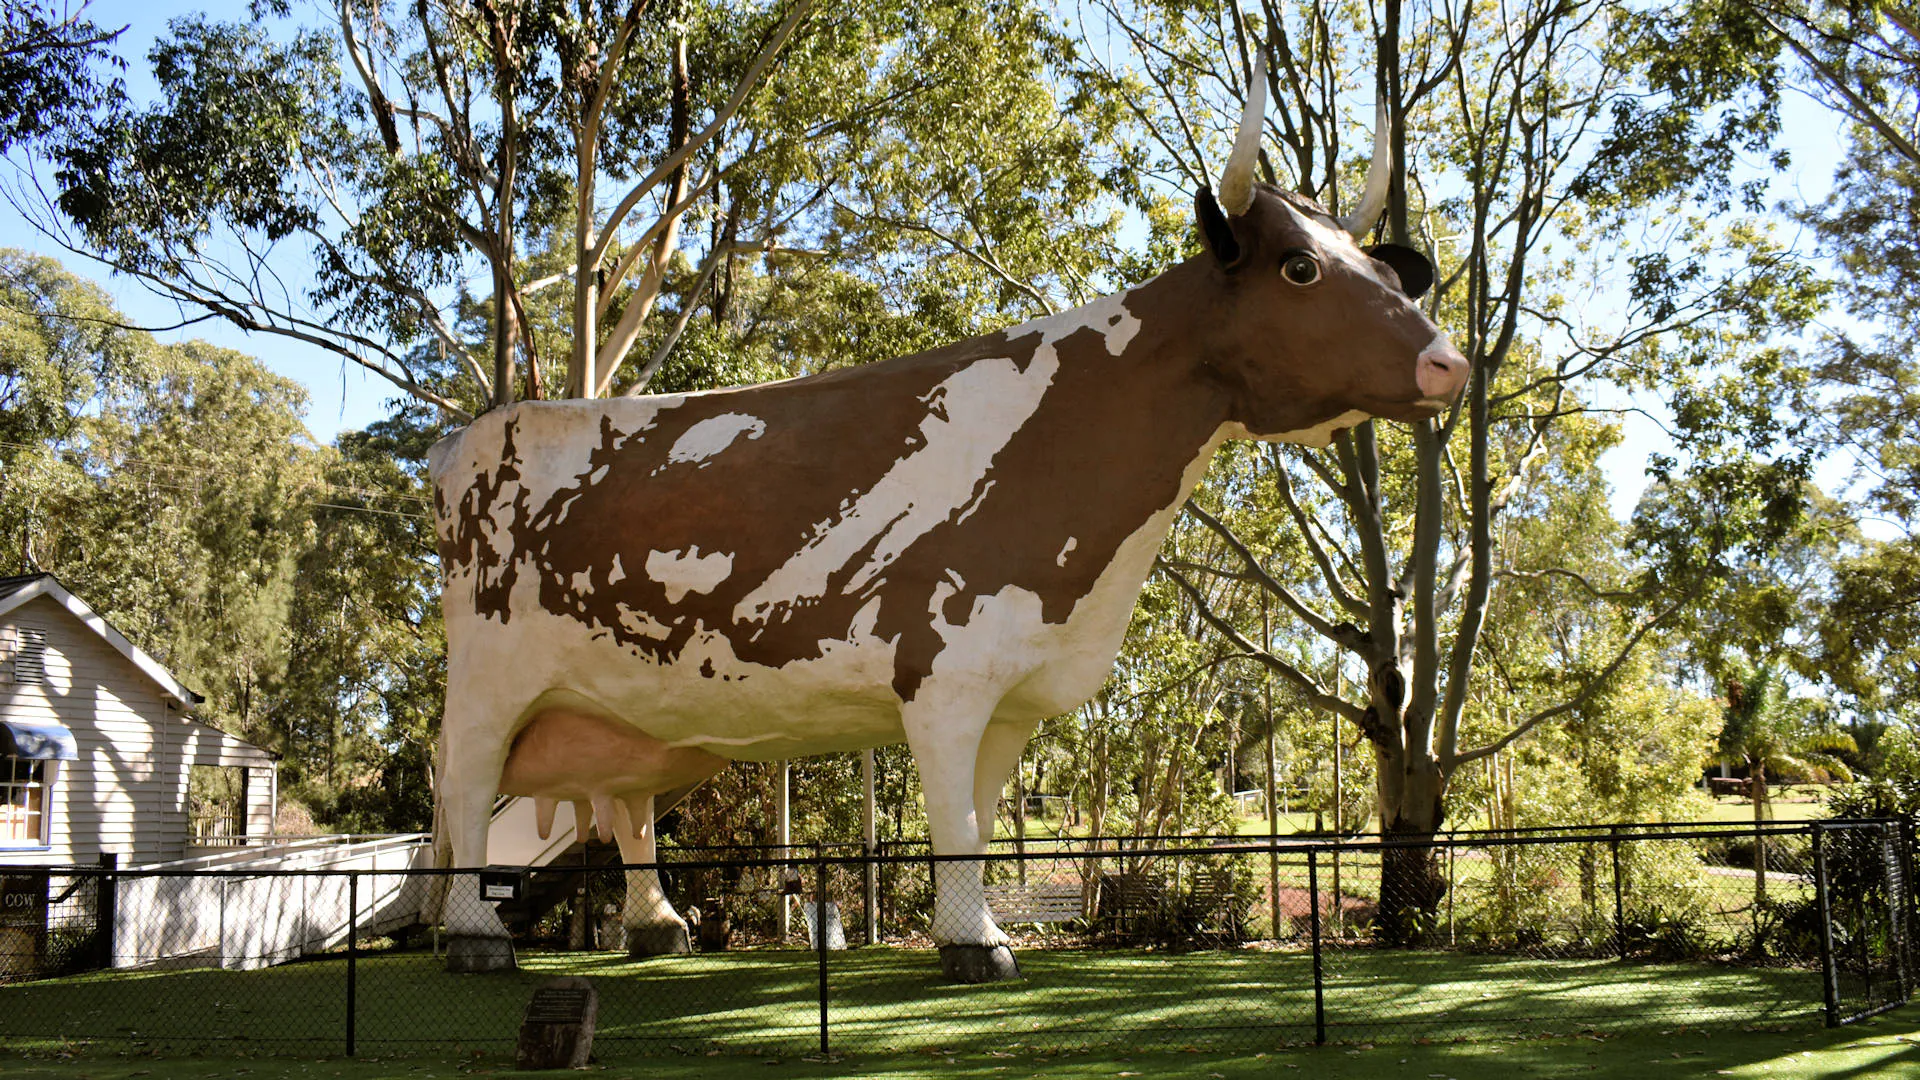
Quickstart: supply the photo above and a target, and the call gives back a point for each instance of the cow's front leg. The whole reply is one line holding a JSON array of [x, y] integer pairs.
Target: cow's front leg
[[1000, 750], [946, 747], [653, 927]]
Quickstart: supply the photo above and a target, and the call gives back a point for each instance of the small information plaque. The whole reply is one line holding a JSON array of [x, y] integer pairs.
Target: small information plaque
[[497, 884], [557, 1032]]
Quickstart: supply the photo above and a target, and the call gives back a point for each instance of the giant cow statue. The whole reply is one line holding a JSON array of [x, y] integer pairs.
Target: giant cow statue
[[943, 548]]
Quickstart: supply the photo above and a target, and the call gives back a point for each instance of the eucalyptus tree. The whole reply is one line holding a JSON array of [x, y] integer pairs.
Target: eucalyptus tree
[[1861, 390], [51, 61], [1566, 250], [1865, 396], [506, 191]]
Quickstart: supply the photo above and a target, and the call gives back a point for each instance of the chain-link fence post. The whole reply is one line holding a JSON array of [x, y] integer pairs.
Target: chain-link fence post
[[820, 933], [1313, 924], [1829, 976], [1619, 896], [353, 954], [1912, 909], [106, 908], [1897, 885]]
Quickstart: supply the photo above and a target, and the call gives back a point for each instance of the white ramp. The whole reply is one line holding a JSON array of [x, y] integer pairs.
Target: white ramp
[[212, 910], [514, 838]]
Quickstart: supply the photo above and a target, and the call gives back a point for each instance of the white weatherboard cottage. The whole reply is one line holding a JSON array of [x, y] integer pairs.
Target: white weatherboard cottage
[[97, 741]]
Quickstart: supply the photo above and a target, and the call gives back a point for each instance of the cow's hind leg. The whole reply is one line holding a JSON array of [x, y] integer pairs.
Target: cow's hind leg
[[946, 745], [653, 927], [474, 749]]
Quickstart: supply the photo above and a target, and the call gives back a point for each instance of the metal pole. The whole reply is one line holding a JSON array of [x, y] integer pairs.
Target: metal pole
[[1313, 920], [786, 838], [1273, 809], [1904, 906], [106, 908], [1619, 898], [869, 833], [1829, 978], [1020, 816], [353, 953], [1453, 845], [1339, 813], [820, 934]]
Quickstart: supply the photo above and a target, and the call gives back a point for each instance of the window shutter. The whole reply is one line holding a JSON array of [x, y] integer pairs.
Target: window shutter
[[30, 657]]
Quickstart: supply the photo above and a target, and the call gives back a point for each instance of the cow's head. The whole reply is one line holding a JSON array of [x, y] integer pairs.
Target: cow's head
[[1311, 326]]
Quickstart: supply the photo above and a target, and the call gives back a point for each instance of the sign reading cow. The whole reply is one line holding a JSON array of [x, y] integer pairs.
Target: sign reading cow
[[942, 548]]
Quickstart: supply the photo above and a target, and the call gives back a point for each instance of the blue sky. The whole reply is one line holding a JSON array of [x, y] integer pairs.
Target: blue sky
[[344, 396]]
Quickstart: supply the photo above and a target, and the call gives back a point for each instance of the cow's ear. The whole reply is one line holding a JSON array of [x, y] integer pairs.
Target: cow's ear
[[1416, 273], [1215, 230]]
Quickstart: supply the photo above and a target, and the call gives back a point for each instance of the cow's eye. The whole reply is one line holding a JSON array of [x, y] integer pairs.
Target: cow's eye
[[1301, 269]]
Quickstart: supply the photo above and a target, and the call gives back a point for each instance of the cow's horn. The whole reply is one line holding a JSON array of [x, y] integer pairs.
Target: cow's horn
[[1236, 181], [1374, 199]]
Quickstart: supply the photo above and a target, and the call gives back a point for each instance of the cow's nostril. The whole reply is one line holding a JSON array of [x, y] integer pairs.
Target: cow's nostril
[[1441, 373]]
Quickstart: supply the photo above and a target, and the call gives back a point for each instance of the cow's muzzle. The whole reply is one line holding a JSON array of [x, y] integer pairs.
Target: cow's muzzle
[[1441, 372]]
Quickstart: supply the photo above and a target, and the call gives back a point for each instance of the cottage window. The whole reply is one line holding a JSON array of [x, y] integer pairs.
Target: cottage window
[[23, 801]]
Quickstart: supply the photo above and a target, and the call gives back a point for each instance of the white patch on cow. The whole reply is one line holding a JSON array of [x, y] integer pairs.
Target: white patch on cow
[[642, 624], [1061, 559], [714, 434], [978, 498], [975, 411], [1108, 315], [617, 573], [718, 740], [688, 571], [1319, 435], [582, 582]]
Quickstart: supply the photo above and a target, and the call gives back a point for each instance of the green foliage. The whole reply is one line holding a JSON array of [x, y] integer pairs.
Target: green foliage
[[50, 61]]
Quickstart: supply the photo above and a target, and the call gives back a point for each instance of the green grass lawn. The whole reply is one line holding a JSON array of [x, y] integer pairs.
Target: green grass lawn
[[1886, 1048], [885, 1000], [1790, 804]]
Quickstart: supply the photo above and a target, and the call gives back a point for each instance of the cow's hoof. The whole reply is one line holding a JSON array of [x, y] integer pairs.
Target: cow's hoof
[[669, 939], [471, 954], [978, 963]]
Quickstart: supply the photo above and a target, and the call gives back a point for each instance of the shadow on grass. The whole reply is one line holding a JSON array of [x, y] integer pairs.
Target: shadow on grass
[[885, 1000]]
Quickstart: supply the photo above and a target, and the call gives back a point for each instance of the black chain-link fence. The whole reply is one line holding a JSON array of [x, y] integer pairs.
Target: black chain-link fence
[[1229, 943]]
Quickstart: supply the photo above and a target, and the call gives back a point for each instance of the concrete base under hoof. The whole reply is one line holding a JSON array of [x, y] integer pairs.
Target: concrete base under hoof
[[978, 963], [668, 940], [471, 955]]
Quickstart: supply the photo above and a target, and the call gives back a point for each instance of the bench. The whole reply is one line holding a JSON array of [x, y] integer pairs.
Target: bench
[[1036, 902], [1212, 908], [1133, 906]]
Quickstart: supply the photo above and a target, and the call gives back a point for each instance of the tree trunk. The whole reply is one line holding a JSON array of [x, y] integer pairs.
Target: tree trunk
[[1412, 883]]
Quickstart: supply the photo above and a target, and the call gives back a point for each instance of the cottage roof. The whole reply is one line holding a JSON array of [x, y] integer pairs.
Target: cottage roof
[[18, 590]]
